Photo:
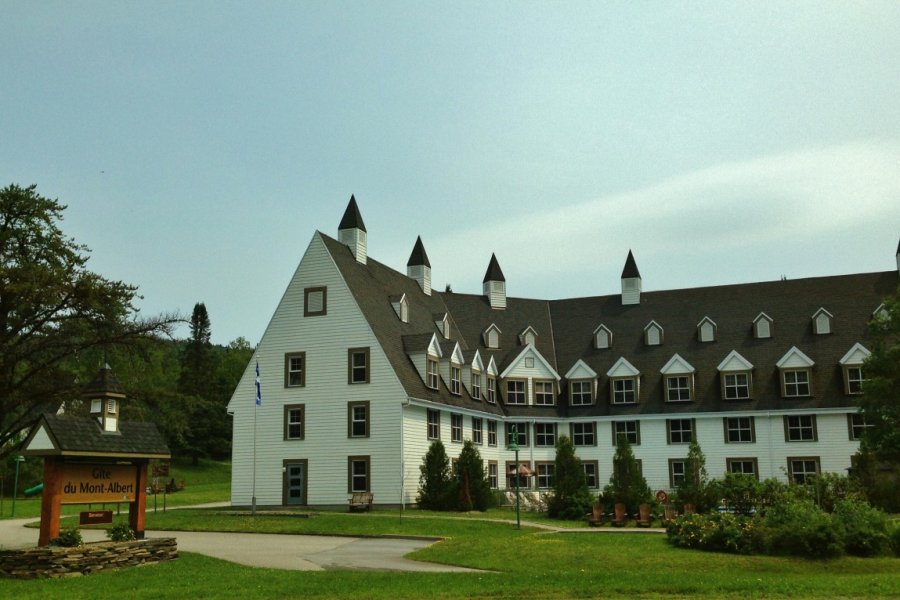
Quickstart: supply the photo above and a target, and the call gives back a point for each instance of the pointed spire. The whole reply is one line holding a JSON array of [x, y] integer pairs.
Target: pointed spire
[[418, 267], [493, 272], [418, 256], [630, 269], [352, 232], [104, 384], [352, 219]]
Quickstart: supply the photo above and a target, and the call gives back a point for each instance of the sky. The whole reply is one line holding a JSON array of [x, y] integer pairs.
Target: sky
[[199, 145]]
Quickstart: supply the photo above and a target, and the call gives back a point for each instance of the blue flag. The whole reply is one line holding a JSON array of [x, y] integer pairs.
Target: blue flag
[[258, 387]]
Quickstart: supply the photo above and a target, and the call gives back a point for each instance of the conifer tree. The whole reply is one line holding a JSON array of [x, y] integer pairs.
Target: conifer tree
[[474, 491], [627, 484], [571, 498], [435, 482]]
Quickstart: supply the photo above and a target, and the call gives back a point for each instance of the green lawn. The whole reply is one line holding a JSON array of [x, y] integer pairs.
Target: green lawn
[[522, 564], [527, 563]]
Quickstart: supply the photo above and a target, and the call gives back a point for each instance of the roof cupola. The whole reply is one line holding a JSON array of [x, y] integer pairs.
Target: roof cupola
[[418, 267], [352, 231], [494, 284], [631, 282]]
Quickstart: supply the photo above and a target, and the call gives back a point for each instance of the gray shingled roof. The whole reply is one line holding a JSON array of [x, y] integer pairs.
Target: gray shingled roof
[[565, 329], [104, 383], [79, 435]]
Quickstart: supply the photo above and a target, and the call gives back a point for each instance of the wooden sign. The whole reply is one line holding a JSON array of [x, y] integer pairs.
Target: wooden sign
[[86, 483], [94, 517], [161, 470]]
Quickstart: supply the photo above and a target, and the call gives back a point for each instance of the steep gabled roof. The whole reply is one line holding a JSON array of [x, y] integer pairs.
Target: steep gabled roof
[[493, 272], [418, 256], [79, 436], [630, 269]]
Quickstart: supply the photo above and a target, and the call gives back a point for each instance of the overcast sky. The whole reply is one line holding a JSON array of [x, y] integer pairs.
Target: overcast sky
[[199, 145]]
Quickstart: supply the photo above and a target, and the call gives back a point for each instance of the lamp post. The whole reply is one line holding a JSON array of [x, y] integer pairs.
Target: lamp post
[[19, 459], [513, 444]]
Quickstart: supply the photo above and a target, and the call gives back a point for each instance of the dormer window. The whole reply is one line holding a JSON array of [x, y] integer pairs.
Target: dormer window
[[455, 374], [401, 307], [543, 393], [492, 389], [581, 392], [653, 334], [706, 330], [624, 383], [492, 336], [852, 366], [736, 375], [431, 379], [442, 322], [679, 379], [796, 374], [763, 326], [529, 336], [880, 314], [515, 391], [822, 322], [476, 385], [602, 337]]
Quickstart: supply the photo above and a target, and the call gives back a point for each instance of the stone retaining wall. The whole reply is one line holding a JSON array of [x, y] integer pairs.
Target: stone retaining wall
[[53, 561]]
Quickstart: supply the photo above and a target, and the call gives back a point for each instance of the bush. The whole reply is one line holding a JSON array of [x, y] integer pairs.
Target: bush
[[895, 540], [69, 537], [473, 488], [437, 491], [741, 492], [800, 528], [866, 529], [717, 532], [120, 532]]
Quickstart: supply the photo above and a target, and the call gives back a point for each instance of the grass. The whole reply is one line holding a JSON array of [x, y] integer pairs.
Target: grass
[[527, 563], [522, 563]]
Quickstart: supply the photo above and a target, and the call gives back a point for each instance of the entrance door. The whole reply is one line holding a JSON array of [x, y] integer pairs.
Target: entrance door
[[295, 483]]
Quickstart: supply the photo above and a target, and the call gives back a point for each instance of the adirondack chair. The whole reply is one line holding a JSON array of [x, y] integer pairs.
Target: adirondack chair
[[621, 517], [596, 517], [669, 514], [689, 509], [644, 517]]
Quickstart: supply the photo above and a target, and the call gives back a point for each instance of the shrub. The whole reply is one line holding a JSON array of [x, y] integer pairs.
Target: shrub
[[120, 532], [866, 529], [895, 539], [473, 488], [741, 492], [68, 538], [570, 499], [627, 484], [800, 528], [717, 532], [436, 488]]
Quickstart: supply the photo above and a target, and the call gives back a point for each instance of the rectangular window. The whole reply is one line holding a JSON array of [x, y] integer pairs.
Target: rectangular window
[[623, 391], [800, 428], [678, 388], [358, 419], [801, 470], [736, 386], [315, 301], [630, 430], [591, 473], [295, 369], [358, 365], [358, 474], [431, 375], [748, 466], [677, 470], [853, 380], [493, 475], [454, 379], [476, 386], [581, 392], [545, 472], [681, 431], [492, 390], [492, 433], [294, 419], [434, 424], [857, 424], [545, 434], [477, 431], [739, 430], [515, 391], [584, 434], [456, 427], [543, 393], [796, 383], [522, 433]]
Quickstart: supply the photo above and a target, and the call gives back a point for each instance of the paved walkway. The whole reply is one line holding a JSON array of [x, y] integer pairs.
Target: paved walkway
[[275, 551]]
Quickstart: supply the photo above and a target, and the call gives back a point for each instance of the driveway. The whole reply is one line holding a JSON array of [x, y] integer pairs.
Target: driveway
[[274, 551]]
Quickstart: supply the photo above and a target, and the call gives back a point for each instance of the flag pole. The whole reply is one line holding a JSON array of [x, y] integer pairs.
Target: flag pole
[[255, 411]]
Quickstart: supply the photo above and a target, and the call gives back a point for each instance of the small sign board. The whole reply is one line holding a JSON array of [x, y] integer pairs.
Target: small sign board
[[161, 470], [83, 483], [94, 517]]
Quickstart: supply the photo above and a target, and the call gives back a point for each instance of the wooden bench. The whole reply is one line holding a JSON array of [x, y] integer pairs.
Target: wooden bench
[[361, 502]]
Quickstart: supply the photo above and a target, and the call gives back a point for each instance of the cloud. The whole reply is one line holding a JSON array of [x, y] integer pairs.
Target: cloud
[[753, 212]]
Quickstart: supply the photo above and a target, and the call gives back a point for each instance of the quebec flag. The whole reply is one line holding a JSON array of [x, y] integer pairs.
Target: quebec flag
[[258, 387]]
